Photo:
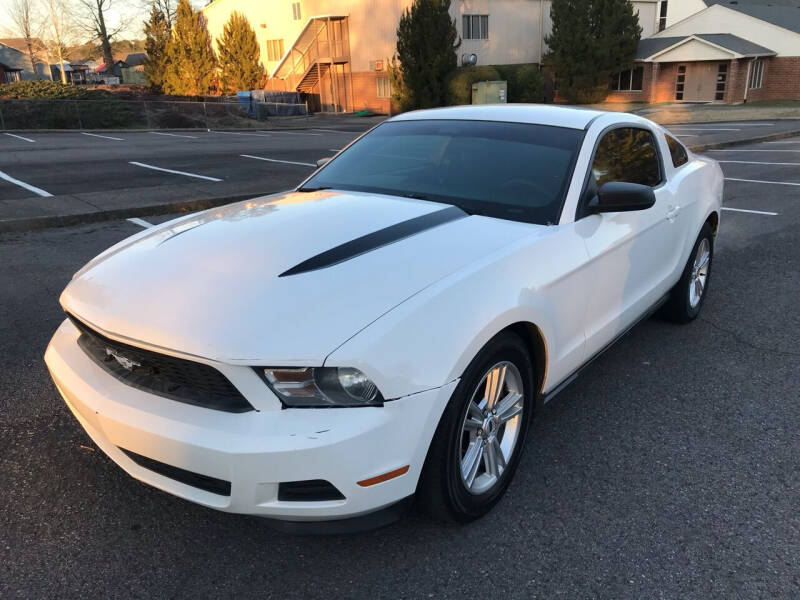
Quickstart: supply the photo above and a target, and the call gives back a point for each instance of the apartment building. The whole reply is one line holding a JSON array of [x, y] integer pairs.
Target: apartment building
[[337, 52]]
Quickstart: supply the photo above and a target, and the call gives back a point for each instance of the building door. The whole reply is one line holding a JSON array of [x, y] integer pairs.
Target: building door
[[696, 82]]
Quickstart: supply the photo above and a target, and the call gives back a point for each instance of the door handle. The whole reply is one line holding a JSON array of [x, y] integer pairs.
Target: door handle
[[672, 212]]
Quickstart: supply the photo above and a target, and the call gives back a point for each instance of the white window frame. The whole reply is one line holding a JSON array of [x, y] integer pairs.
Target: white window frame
[[387, 91], [274, 50], [468, 27], [662, 15], [756, 80], [296, 11]]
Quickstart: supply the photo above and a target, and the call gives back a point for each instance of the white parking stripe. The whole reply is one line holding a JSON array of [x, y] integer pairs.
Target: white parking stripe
[[755, 212], [701, 129], [146, 166], [334, 149], [752, 150], [789, 142], [753, 162], [275, 160], [242, 133], [293, 132], [27, 186], [761, 181], [194, 137], [337, 131], [140, 222], [19, 137], [685, 135], [107, 137]]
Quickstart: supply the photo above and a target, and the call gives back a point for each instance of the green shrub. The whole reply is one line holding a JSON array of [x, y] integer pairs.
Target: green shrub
[[459, 82], [525, 82], [49, 90]]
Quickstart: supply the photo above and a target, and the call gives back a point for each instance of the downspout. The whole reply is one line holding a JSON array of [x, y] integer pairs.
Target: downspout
[[747, 79]]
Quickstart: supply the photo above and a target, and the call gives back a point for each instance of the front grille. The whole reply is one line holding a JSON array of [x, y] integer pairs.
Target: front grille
[[203, 482], [311, 490], [174, 378]]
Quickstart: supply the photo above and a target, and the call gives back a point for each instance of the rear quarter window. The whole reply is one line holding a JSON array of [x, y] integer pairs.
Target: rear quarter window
[[677, 151]]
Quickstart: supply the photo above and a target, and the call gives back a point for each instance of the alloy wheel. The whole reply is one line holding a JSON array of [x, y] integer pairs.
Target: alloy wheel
[[699, 276], [491, 427]]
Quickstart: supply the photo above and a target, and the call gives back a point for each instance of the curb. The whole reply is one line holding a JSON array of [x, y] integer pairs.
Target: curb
[[754, 140], [34, 223]]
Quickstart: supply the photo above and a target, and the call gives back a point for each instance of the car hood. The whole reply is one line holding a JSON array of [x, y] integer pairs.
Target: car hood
[[210, 285]]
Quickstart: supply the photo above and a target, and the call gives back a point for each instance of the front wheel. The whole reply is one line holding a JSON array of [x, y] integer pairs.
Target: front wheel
[[479, 440], [686, 298]]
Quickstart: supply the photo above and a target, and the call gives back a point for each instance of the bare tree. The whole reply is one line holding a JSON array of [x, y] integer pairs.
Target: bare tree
[[93, 20], [23, 14], [167, 8], [61, 31]]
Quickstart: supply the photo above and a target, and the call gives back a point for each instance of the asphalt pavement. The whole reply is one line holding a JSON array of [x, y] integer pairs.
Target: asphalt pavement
[[669, 469]]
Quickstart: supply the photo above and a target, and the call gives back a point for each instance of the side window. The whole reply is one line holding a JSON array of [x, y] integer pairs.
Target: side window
[[627, 154], [677, 151]]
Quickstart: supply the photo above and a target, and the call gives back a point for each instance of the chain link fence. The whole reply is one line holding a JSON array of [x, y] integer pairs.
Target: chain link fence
[[146, 114]]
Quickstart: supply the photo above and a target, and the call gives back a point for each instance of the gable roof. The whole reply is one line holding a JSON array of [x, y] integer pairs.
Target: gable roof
[[649, 47], [13, 59], [136, 59], [783, 13], [21, 45]]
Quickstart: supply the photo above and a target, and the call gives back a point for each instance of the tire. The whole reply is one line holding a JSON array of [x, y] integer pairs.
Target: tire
[[684, 303], [445, 491]]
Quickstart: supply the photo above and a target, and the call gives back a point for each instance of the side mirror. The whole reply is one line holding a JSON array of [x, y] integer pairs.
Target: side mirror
[[323, 161], [620, 196]]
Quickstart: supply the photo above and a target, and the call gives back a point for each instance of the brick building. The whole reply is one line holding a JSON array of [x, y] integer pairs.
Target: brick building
[[729, 51]]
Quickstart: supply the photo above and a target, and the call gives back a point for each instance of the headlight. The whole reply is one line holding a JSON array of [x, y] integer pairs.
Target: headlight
[[322, 387]]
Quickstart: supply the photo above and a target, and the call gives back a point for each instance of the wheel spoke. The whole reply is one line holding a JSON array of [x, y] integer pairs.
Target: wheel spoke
[[494, 385], [704, 260], [471, 461], [507, 409], [490, 456], [698, 288], [472, 424], [498, 453], [475, 412]]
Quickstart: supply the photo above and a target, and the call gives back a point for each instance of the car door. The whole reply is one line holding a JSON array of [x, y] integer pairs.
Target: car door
[[630, 253]]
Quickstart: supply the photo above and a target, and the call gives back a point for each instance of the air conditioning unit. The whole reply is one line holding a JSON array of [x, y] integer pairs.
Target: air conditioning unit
[[469, 60], [377, 65]]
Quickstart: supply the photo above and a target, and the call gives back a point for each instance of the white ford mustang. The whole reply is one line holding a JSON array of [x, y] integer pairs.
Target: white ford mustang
[[389, 327]]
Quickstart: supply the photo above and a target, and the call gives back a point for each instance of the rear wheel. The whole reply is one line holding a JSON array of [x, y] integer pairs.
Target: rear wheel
[[687, 297], [480, 437]]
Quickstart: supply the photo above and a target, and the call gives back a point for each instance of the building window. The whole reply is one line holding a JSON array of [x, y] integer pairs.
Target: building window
[[296, 14], [662, 16], [384, 87], [722, 80], [680, 81], [11, 76], [756, 74], [628, 81], [274, 50], [475, 27]]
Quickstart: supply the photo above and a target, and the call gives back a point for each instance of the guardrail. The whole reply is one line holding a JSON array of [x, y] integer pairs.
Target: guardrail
[[144, 114]]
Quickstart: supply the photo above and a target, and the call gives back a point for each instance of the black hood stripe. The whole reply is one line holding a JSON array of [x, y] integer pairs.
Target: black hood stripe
[[371, 241]]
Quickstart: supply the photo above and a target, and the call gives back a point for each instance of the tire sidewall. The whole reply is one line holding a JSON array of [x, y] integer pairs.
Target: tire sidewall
[[692, 312]]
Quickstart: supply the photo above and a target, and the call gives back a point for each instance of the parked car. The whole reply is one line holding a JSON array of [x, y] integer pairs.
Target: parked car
[[390, 327]]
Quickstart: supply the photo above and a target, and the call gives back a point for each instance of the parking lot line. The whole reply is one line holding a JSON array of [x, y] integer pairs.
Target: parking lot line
[[755, 212], [294, 133], [242, 133], [140, 222], [19, 137], [27, 186], [751, 150], [685, 135], [702, 129], [107, 137], [786, 142], [288, 162], [754, 162], [194, 137], [146, 166], [762, 181]]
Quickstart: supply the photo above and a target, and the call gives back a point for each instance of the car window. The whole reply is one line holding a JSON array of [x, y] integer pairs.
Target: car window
[[627, 154], [514, 171], [677, 151]]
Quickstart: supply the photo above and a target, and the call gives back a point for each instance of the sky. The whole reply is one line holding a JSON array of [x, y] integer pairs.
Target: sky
[[135, 11]]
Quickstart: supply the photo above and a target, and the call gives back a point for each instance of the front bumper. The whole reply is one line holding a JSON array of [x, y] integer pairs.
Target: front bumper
[[256, 450]]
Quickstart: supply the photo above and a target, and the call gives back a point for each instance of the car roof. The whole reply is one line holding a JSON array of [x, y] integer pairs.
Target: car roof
[[536, 114]]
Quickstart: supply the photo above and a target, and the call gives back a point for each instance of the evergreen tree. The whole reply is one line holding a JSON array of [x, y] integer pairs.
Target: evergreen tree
[[239, 55], [427, 41], [157, 34], [190, 60], [591, 40]]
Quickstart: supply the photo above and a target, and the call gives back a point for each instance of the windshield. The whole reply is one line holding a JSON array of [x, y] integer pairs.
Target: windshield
[[507, 170]]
